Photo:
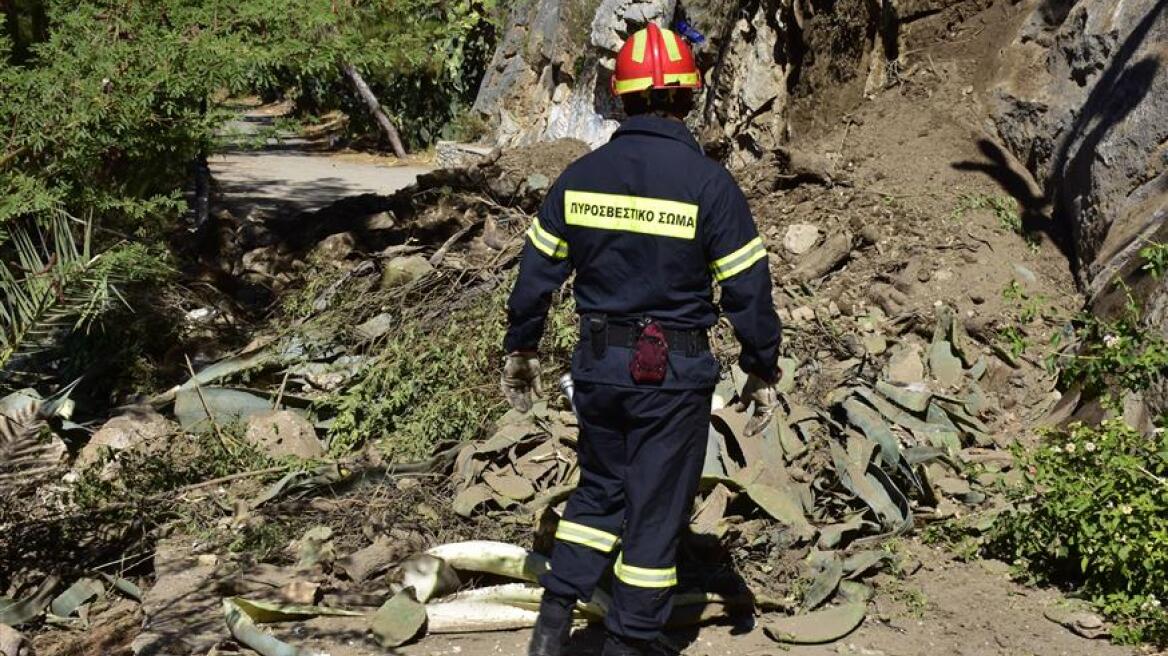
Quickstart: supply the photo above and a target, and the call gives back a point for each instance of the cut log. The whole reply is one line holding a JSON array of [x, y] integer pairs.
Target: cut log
[[387, 127]]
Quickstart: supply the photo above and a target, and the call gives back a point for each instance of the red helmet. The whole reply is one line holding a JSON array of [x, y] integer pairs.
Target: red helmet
[[654, 58]]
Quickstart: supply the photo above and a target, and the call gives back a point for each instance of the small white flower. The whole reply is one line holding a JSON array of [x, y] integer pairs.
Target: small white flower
[[1110, 340], [1070, 447], [1089, 447], [1125, 509], [1159, 430]]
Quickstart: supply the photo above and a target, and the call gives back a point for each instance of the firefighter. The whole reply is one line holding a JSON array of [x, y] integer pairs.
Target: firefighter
[[647, 223]]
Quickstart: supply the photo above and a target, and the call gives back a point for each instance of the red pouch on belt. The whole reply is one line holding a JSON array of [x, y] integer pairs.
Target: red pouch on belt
[[650, 355]]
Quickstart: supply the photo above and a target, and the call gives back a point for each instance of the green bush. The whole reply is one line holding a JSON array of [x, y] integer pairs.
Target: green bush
[[1093, 514], [1120, 354], [434, 383]]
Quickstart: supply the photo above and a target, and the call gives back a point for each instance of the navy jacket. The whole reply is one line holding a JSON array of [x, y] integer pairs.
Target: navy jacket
[[648, 222]]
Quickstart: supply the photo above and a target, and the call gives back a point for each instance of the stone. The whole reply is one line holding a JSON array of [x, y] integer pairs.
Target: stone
[[375, 327], [905, 365], [874, 343], [138, 428], [405, 269], [453, 155], [379, 221], [335, 248], [281, 433], [265, 260], [802, 314], [800, 238]]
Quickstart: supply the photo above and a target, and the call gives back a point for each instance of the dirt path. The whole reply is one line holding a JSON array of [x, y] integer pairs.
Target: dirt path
[[947, 608]]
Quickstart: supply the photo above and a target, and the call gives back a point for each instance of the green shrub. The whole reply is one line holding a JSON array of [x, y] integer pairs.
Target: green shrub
[[1120, 354], [434, 383], [1093, 513]]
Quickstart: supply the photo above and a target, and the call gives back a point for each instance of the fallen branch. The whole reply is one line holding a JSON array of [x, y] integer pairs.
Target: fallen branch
[[374, 107]]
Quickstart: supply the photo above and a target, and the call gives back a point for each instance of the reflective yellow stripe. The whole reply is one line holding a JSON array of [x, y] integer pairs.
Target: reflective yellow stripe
[[640, 40], [546, 242], [671, 48], [649, 216], [690, 79], [740, 260], [585, 535], [645, 577], [635, 84]]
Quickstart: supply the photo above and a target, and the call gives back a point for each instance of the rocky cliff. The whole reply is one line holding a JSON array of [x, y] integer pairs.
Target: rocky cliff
[[1082, 100]]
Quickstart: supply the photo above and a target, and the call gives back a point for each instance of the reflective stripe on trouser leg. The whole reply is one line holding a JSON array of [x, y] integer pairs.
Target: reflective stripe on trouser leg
[[666, 446], [644, 577], [587, 534]]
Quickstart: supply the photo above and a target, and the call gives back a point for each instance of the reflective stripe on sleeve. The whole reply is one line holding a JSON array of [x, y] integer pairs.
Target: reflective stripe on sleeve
[[649, 216], [585, 535], [645, 577], [739, 261], [546, 242]]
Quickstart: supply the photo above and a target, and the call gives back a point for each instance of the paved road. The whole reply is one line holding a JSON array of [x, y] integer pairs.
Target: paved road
[[299, 180]]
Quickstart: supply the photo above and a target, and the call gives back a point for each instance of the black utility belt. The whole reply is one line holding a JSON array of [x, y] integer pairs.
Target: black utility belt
[[687, 342]]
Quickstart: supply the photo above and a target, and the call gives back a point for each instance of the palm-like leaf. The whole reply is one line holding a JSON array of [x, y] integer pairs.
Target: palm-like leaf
[[25, 453], [54, 285]]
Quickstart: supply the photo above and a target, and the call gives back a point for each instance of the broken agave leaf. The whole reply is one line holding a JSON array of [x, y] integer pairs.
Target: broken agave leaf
[[299, 483], [467, 501], [124, 586], [832, 535], [476, 616], [827, 625], [862, 562], [787, 368], [853, 592], [244, 630], [315, 547], [399, 620], [509, 485], [781, 504], [490, 557], [709, 514], [226, 405], [77, 595], [828, 570], [715, 464], [264, 612], [15, 613], [868, 485], [908, 397], [943, 365], [867, 420], [429, 576]]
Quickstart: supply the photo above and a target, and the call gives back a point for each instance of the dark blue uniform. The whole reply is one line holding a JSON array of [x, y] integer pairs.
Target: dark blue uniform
[[647, 223]]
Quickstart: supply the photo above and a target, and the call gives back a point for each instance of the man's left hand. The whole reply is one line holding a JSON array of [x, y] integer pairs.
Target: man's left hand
[[765, 399], [520, 379]]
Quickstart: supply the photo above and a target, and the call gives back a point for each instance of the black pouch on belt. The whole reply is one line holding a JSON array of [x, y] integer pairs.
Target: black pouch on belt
[[650, 354]]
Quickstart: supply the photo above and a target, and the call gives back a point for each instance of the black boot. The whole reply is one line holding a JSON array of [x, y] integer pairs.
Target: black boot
[[553, 626]]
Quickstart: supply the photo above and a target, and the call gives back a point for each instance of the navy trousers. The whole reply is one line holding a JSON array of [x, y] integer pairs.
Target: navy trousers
[[640, 455]]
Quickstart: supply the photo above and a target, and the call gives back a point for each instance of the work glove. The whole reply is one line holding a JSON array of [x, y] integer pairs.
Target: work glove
[[765, 399], [520, 378]]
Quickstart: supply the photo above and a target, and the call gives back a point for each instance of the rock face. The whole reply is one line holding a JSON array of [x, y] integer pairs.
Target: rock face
[[550, 75], [1081, 100]]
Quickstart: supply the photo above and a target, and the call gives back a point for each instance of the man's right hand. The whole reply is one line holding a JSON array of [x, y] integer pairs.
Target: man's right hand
[[765, 398], [520, 379]]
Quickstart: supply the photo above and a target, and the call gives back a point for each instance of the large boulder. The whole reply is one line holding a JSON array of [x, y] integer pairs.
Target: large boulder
[[1081, 100]]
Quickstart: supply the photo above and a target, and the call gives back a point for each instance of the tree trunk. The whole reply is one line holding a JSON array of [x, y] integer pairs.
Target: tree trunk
[[383, 122]]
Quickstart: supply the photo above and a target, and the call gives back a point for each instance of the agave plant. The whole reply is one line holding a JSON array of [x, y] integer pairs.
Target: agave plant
[[25, 454], [50, 282]]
